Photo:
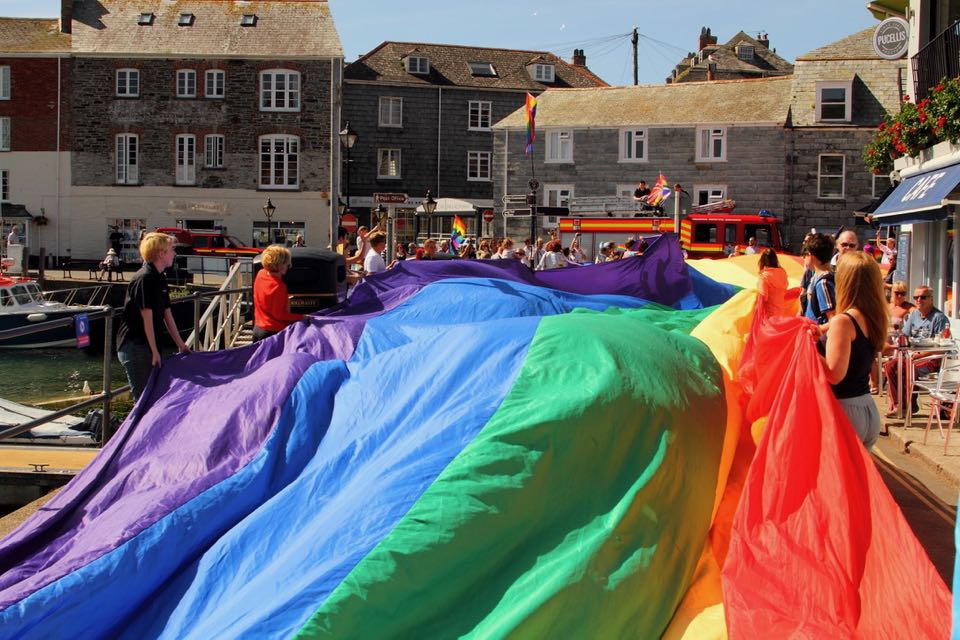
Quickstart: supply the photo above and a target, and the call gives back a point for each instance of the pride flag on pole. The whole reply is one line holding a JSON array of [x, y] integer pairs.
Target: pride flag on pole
[[530, 109], [458, 233], [660, 192]]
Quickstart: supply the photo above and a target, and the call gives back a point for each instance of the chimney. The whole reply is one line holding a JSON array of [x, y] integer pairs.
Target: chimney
[[711, 72], [579, 58], [705, 38], [763, 40], [66, 16]]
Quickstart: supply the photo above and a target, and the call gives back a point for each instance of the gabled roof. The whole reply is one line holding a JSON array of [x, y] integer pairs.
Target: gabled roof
[[858, 46], [764, 100], [448, 67], [32, 35], [727, 65], [283, 29]]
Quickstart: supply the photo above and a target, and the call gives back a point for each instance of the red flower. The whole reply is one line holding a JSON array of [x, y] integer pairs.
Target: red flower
[[872, 152], [923, 117], [942, 120], [901, 148], [883, 126], [938, 88]]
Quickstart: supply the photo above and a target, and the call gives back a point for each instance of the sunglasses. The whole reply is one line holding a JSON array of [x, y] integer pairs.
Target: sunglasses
[[848, 245], [920, 297], [899, 293]]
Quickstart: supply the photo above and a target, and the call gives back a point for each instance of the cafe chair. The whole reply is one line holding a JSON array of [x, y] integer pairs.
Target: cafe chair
[[944, 397]]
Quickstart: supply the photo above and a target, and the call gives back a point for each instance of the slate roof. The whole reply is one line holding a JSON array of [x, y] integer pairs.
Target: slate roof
[[448, 67], [284, 29], [32, 35], [858, 46], [764, 100], [765, 63]]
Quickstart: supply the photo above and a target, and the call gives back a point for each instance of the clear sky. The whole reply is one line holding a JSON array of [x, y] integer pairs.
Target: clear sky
[[668, 29]]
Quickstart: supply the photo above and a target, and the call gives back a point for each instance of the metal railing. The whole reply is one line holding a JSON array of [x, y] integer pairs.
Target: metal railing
[[939, 59], [217, 327]]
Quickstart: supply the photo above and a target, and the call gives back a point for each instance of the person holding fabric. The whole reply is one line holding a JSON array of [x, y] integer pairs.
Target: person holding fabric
[[146, 309], [553, 258], [576, 253], [772, 284], [271, 301], [373, 262], [856, 333], [922, 323], [821, 303]]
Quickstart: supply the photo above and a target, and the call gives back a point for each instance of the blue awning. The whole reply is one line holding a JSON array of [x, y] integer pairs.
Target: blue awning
[[919, 198]]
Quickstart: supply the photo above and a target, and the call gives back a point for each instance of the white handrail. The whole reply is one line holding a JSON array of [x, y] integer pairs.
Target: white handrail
[[220, 324]]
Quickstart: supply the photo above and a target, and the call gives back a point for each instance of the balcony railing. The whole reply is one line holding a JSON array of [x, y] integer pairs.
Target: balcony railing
[[938, 60]]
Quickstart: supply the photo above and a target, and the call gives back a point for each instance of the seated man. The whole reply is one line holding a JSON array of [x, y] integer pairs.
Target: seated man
[[110, 264], [925, 321]]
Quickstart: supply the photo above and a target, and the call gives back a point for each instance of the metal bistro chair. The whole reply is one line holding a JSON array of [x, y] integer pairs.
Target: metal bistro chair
[[944, 397]]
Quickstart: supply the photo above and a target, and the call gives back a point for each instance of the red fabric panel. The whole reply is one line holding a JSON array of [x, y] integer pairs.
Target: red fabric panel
[[819, 548]]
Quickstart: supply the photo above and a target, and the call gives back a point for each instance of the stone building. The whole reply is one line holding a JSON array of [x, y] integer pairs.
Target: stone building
[[195, 113], [34, 142], [740, 58], [841, 93], [719, 140], [423, 115]]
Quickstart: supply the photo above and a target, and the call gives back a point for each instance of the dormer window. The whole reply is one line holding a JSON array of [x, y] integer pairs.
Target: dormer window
[[745, 51], [418, 64], [248, 20], [145, 19], [482, 69], [186, 20], [543, 72]]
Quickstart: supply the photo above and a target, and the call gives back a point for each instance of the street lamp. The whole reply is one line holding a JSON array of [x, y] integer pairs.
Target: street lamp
[[341, 207], [429, 205], [348, 138], [268, 210]]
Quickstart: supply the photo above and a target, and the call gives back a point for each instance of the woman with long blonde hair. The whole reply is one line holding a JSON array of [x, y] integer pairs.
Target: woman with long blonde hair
[[856, 333]]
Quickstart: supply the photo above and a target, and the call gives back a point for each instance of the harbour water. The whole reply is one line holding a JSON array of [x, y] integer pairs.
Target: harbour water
[[37, 375]]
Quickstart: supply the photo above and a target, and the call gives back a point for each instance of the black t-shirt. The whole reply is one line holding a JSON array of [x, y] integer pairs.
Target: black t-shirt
[[147, 290]]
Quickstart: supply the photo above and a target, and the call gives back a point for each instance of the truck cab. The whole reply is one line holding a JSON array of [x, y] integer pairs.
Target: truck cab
[[209, 243], [705, 235]]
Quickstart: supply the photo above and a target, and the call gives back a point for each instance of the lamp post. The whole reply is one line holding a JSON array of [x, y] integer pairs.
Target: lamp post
[[268, 210], [348, 138], [429, 206]]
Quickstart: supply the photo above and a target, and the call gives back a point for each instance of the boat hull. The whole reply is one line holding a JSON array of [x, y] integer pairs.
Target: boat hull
[[58, 337]]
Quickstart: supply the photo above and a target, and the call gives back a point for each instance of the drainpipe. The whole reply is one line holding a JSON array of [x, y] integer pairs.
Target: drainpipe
[[336, 80], [59, 210], [439, 129]]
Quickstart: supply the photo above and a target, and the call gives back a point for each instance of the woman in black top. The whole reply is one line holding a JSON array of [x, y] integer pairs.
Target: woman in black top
[[855, 334]]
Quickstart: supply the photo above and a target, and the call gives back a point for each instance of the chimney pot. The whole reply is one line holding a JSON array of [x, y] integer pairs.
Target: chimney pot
[[579, 58], [66, 16]]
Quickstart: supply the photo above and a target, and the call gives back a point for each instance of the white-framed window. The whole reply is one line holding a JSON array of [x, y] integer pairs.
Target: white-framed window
[[391, 111], [280, 90], [388, 163], [214, 85], [213, 151], [543, 72], [128, 158], [557, 195], [418, 64], [745, 51], [479, 115], [633, 145], [186, 158], [880, 184], [4, 185], [128, 83], [830, 171], [482, 69], [835, 101], [186, 83], [4, 82], [279, 162], [708, 193], [4, 134], [478, 166], [711, 144], [559, 146]]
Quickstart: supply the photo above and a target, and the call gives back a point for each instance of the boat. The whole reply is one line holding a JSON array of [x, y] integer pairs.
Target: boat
[[23, 304], [70, 430]]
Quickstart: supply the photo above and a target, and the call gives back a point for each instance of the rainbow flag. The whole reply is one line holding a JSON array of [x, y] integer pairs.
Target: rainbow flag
[[530, 111], [459, 233], [659, 192], [331, 481]]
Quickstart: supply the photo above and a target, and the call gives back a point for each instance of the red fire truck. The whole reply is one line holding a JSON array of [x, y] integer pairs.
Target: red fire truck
[[702, 235]]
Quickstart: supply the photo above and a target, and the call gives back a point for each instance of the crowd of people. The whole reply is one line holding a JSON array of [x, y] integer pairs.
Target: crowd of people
[[857, 312]]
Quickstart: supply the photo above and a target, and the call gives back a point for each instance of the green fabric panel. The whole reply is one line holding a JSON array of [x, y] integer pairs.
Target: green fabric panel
[[579, 511]]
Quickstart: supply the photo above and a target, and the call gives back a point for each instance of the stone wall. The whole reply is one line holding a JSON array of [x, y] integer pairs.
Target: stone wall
[[157, 115], [875, 88]]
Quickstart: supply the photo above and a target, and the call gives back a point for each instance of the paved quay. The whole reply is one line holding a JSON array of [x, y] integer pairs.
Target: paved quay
[[943, 465]]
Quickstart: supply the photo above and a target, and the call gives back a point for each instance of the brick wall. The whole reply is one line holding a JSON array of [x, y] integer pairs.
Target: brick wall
[[418, 140], [158, 115], [32, 107]]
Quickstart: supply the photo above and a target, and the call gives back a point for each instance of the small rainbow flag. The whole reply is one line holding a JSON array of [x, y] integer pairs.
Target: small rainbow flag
[[660, 192], [530, 109], [458, 234]]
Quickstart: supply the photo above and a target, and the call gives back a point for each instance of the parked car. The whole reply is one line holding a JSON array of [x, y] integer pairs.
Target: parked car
[[209, 243]]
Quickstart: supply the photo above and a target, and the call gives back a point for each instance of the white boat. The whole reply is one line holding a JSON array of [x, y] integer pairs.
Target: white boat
[[23, 304], [65, 430]]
